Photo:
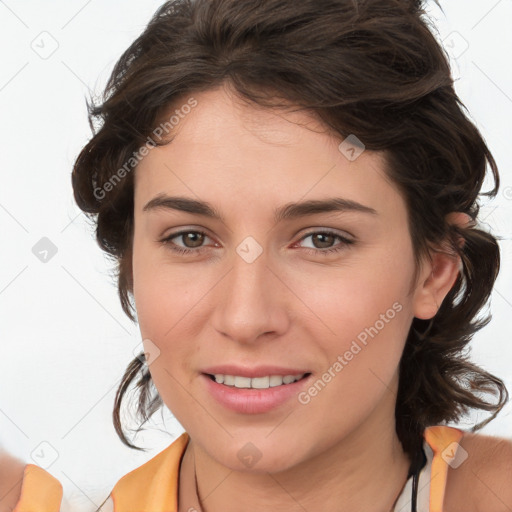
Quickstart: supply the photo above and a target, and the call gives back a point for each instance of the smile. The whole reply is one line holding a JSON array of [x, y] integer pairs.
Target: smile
[[254, 395], [265, 382]]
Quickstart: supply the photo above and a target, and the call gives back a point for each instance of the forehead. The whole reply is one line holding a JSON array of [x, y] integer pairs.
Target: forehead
[[226, 150]]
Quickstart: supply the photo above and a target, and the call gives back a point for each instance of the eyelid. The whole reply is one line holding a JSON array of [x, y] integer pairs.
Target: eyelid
[[186, 229], [332, 231]]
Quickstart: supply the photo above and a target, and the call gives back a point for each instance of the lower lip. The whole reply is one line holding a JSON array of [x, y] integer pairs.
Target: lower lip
[[253, 401]]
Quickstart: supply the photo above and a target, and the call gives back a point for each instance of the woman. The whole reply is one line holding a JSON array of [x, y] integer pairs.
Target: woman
[[290, 191]]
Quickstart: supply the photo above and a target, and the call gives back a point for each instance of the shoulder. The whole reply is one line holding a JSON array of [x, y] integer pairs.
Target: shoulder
[[11, 476], [482, 481]]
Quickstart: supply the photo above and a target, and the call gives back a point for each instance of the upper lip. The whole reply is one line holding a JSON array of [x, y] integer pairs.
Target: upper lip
[[256, 371]]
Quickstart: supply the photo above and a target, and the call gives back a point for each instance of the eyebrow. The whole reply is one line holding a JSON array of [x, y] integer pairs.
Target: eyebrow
[[285, 212]]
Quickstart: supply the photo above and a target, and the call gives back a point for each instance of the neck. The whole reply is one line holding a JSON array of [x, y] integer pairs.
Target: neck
[[366, 470]]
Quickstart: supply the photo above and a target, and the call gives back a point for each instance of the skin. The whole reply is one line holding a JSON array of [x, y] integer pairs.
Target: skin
[[290, 306], [11, 477], [486, 473]]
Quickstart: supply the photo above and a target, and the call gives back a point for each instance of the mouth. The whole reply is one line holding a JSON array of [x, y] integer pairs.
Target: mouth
[[265, 382], [256, 394]]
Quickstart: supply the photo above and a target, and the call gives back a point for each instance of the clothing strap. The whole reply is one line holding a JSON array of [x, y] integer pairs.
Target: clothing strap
[[444, 442]]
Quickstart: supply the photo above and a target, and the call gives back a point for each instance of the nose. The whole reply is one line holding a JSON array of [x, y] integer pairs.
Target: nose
[[251, 300]]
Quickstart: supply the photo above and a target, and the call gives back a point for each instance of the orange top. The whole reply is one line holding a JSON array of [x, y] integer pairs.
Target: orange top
[[40, 491], [444, 443], [153, 486]]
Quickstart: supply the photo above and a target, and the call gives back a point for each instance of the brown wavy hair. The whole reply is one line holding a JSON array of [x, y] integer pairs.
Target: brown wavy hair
[[372, 68]]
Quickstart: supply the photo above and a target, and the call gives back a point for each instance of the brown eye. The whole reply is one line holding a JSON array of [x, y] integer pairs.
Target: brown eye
[[323, 242], [192, 239]]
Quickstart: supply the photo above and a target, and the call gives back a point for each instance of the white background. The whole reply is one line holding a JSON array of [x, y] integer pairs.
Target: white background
[[65, 340]]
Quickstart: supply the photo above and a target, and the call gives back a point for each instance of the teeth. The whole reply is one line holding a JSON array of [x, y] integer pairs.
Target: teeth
[[275, 380], [242, 382], [269, 381], [260, 382]]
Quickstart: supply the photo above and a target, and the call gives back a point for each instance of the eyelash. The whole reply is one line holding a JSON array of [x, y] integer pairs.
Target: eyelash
[[345, 242]]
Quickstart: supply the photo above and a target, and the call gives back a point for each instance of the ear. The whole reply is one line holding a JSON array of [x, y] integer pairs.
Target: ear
[[438, 274]]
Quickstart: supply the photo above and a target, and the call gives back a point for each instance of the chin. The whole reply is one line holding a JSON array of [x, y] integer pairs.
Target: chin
[[271, 464], [257, 454]]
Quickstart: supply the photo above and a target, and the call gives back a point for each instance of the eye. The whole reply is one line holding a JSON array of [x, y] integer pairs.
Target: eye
[[324, 238], [193, 242], [194, 238]]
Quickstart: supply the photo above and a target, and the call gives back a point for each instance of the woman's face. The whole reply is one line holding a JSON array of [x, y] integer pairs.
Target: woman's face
[[263, 295]]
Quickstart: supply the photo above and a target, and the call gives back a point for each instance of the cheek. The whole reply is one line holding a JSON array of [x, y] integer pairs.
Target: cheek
[[365, 299], [165, 314], [156, 304], [165, 318], [163, 293], [168, 303], [364, 315]]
